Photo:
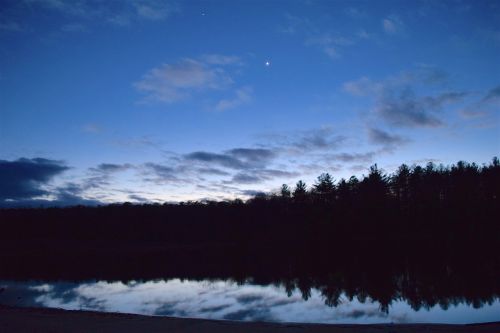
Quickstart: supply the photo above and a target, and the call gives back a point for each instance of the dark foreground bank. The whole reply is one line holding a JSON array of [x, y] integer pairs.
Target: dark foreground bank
[[56, 320]]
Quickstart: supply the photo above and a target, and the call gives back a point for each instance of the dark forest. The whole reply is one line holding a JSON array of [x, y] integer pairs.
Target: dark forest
[[425, 234]]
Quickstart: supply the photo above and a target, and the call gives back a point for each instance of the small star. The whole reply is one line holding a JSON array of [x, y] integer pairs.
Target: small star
[[202, 14], [268, 63]]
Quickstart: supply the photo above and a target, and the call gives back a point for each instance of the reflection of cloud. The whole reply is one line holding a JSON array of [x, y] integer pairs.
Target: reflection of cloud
[[247, 299], [259, 314], [211, 299], [359, 313], [168, 309], [215, 308]]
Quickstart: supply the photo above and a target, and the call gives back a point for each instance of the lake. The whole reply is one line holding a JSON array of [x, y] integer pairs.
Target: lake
[[231, 300]]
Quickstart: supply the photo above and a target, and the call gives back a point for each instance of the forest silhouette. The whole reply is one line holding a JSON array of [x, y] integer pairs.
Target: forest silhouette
[[428, 235]]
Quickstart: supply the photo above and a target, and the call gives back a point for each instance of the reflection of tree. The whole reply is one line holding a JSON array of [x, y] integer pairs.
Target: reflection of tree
[[421, 235]]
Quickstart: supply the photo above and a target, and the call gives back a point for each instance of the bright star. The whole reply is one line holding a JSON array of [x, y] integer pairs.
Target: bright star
[[268, 63]]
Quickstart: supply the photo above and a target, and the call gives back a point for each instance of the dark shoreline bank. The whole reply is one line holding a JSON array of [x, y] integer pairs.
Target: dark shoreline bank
[[56, 320]]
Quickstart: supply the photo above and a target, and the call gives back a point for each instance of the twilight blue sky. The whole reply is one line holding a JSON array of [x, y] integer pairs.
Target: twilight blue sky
[[140, 100]]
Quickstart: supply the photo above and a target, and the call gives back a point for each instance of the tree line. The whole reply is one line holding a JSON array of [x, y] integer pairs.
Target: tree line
[[414, 202]]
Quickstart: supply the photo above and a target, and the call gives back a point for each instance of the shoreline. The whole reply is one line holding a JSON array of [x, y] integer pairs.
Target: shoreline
[[16, 319]]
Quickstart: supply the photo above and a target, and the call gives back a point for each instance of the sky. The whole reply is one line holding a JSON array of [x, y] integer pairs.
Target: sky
[[167, 101]]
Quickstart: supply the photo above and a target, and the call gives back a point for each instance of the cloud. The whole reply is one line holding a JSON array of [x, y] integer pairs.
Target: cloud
[[154, 10], [214, 158], [307, 141], [389, 26], [319, 139], [397, 103], [91, 128], [392, 25], [381, 137], [237, 158], [24, 178], [178, 81], [73, 27], [329, 43], [161, 173], [219, 59], [405, 109], [100, 175], [253, 155], [252, 193], [259, 176], [362, 87], [138, 198], [119, 13], [488, 104], [493, 95], [71, 194], [245, 178], [172, 82], [353, 157], [243, 96], [212, 171], [355, 13], [10, 26], [110, 167], [67, 7]]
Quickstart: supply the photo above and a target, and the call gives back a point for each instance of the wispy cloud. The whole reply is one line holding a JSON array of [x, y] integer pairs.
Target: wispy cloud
[[243, 96], [329, 42], [219, 59], [306, 141], [120, 13], [488, 104], [91, 128], [154, 10], [173, 82], [260, 175], [392, 25], [384, 138], [10, 26], [399, 102], [237, 158]]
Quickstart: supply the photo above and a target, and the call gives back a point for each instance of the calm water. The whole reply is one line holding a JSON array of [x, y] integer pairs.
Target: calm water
[[219, 299]]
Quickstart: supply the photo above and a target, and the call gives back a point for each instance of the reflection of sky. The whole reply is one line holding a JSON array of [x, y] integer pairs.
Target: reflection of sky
[[225, 300]]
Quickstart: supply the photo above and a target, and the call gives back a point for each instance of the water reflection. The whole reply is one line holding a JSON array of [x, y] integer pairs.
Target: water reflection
[[219, 299]]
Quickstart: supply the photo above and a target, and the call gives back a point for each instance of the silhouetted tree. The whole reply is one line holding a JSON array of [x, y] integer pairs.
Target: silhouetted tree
[[324, 189], [285, 191], [300, 191]]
